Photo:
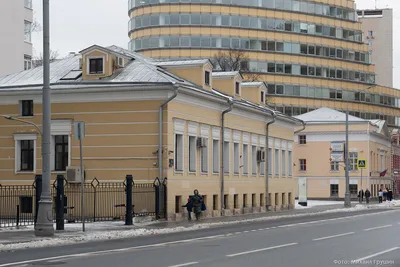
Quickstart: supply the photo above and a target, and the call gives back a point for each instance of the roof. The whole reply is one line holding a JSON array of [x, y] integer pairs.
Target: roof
[[223, 74], [195, 62], [327, 115], [252, 84]]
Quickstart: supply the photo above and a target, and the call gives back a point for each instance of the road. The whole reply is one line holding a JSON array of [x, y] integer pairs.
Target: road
[[356, 239]]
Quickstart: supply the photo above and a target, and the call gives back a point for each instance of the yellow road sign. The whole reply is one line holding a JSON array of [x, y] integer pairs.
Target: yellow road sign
[[362, 163]]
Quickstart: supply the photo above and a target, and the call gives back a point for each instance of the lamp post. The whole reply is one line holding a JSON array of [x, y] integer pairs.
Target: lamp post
[[23, 121], [44, 225]]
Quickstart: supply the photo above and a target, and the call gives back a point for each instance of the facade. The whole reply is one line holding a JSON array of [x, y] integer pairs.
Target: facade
[[377, 27], [118, 95], [311, 54], [319, 155], [16, 43], [396, 162]]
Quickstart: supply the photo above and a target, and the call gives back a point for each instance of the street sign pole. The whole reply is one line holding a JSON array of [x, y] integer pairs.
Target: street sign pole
[[361, 179], [79, 128]]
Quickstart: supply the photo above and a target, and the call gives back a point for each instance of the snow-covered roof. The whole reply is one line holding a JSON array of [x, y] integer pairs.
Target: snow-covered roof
[[224, 73], [327, 115], [194, 62], [252, 84]]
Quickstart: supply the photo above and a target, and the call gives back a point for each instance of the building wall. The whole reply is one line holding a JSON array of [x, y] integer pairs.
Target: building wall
[[13, 48], [380, 42], [316, 151]]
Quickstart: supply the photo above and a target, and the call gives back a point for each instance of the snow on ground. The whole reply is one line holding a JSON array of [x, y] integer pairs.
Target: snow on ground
[[98, 234], [315, 203]]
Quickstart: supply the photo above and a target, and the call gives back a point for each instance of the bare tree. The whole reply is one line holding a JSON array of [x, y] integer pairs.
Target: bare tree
[[231, 60], [38, 61]]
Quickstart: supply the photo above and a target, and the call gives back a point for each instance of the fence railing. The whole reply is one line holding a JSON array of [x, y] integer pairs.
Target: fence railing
[[102, 201]]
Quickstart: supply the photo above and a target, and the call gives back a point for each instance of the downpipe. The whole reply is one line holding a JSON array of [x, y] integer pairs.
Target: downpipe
[[267, 204], [222, 174], [160, 139]]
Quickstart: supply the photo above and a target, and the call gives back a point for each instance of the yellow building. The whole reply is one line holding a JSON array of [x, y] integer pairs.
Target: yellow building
[[310, 53], [123, 99], [319, 155]]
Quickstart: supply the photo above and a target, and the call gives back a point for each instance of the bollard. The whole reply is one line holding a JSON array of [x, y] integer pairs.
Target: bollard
[[157, 191], [17, 215], [60, 203], [129, 212], [38, 193]]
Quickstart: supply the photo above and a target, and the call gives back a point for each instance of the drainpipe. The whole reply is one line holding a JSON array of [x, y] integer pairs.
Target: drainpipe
[[160, 139], [267, 204], [222, 174], [303, 123]]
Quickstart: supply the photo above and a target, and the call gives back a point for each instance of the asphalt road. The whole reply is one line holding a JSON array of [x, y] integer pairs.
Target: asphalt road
[[356, 239]]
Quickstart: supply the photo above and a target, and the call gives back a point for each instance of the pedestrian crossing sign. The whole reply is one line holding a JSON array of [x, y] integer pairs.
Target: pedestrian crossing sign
[[362, 163]]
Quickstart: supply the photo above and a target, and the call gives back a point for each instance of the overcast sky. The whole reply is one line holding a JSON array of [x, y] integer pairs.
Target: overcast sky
[[77, 24]]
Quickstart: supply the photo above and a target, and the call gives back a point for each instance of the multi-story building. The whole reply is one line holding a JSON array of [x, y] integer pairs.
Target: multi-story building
[[396, 162], [319, 155], [311, 54], [120, 96], [16, 44], [377, 27]]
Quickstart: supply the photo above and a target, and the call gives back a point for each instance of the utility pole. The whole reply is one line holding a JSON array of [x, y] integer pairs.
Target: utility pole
[[347, 202], [44, 225]]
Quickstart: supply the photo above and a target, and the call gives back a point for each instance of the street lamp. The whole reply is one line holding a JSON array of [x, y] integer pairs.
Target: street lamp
[[347, 200], [44, 225], [23, 121]]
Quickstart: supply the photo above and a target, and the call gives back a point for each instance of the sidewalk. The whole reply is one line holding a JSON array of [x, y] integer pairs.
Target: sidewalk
[[24, 237]]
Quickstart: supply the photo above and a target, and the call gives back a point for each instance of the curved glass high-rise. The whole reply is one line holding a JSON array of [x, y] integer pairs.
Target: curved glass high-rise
[[310, 53]]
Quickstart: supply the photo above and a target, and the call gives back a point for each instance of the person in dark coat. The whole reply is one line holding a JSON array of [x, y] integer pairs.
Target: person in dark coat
[[390, 194], [361, 196], [197, 202], [189, 208], [367, 195]]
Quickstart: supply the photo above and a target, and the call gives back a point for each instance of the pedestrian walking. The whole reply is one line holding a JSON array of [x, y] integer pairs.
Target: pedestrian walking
[[189, 208], [361, 196], [380, 195], [197, 203], [385, 194], [367, 195], [390, 194]]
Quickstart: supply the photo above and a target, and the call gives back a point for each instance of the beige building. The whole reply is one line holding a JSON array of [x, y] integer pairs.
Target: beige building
[[319, 155], [120, 95], [311, 54], [377, 27]]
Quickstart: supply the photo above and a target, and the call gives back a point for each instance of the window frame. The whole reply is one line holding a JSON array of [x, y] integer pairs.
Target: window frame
[[207, 78], [192, 151], [302, 165], [89, 65], [302, 139], [30, 106], [180, 167], [336, 189], [18, 152], [65, 149]]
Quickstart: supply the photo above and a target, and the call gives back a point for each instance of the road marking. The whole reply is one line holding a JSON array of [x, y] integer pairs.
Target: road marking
[[376, 254], [378, 227], [184, 264], [259, 250], [332, 236], [236, 233]]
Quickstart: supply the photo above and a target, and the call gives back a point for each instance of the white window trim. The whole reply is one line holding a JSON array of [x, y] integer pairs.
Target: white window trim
[[205, 150], [219, 156], [195, 153], [88, 65], [182, 151], [236, 159], [17, 161]]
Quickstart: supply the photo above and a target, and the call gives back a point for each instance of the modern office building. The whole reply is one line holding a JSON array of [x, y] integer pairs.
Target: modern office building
[[319, 155], [16, 16], [377, 27], [311, 54], [120, 96]]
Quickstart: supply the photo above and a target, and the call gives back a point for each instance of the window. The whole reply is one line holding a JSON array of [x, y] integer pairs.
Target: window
[[303, 164], [204, 158], [192, 153], [353, 156], [28, 4], [236, 163], [334, 190], [26, 108], [353, 189], [27, 62], [226, 157], [178, 152], [370, 34], [27, 31], [96, 65], [237, 88], [215, 156], [207, 77], [27, 155], [269, 161], [334, 166], [277, 162], [245, 157], [262, 165], [61, 152], [283, 165], [254, 160], [302, 139], [290, 165], [262, 97]]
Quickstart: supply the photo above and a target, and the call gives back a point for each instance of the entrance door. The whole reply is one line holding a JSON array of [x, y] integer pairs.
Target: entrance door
[[303, 191]]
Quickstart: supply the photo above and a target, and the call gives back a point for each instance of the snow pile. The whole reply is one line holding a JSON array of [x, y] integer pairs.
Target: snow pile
[[316, 203], [389, 204]]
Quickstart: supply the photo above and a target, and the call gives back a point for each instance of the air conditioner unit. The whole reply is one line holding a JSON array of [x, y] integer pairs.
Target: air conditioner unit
[[201, 142], [120, 62], [73, 174], [260, 156]]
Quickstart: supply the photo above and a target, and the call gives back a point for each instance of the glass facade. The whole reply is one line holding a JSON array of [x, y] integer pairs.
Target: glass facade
[[307, 7], [246, 22]]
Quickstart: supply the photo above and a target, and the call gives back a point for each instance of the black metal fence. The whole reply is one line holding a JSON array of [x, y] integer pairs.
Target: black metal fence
[[102, 201]]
